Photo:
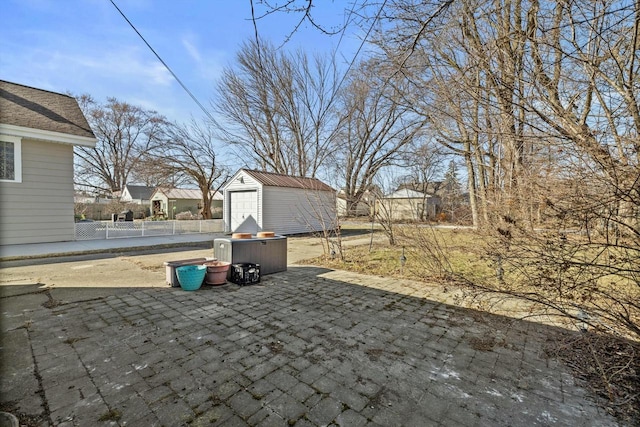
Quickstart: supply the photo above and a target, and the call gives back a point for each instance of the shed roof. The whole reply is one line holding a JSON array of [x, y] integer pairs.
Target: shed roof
[[271, 179], [40, 109], [186, 193], [406, 193]]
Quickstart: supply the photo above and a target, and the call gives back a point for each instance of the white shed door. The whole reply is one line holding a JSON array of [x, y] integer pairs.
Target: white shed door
[[244, 211]]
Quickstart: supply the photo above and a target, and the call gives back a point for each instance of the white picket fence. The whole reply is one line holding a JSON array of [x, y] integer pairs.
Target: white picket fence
[[116, 230]]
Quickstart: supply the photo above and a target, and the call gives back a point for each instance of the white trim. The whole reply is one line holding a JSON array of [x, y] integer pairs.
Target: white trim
[[45, 135], [232, 179], [17, 157]]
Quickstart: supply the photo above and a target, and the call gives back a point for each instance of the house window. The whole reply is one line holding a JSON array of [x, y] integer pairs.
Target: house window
[[10, 159]]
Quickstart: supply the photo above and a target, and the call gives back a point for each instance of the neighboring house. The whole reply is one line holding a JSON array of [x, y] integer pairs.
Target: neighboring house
[[363, 207], [82, 197], [432, 187], [406, 204], [139, 194], [168, 202], [38, 130], [264, 201]]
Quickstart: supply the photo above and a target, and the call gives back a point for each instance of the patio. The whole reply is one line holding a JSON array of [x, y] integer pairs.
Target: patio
[[302, 348]]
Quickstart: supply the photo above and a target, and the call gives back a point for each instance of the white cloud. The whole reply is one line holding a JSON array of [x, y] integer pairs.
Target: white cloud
[[158, 73], [127, 65], [191, 50]]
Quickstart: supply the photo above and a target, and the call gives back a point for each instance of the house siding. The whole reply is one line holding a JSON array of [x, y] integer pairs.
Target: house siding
[[47, 180], [406, 209], [362, 208]]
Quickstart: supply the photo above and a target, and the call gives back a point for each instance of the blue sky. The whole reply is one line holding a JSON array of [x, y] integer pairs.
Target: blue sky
[[85, 46]]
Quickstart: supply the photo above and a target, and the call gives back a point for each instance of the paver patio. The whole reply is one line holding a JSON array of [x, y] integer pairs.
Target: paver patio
[[298, 349]]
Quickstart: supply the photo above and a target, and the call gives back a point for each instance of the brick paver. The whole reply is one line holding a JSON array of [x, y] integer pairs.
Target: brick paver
[[298, 349]]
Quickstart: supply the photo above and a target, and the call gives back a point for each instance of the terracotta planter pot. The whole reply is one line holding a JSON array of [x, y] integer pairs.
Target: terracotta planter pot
[[241, 236], [264, 234], [216, 272]]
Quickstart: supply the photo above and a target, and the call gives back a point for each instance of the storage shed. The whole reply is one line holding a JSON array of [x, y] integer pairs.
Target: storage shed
[[263, 201], [169, 202]]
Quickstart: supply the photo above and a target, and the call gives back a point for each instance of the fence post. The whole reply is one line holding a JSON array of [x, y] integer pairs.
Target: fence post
[[107, 232], [173, 223], [142, 228]]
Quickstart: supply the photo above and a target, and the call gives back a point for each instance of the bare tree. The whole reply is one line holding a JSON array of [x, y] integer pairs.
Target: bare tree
[[374, 129], [386, 210], [153, 173], [424, 161], [125, 133], [541, 100], [302, 10], [190, 153], [278, 109]]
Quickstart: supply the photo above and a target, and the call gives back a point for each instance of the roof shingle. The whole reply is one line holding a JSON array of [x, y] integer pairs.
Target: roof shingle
[[141, 192], [40, 109]]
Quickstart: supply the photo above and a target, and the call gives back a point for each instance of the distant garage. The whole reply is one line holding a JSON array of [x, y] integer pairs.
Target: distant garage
[[263, 201]]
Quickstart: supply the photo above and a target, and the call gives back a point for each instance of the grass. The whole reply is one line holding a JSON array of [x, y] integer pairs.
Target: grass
[[454, 250], [111, 415]]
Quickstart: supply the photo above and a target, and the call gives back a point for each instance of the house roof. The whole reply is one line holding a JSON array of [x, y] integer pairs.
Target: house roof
[[141, 192], [186, 193], [430, 187], [406, 193], [271, 179], [32, 108]]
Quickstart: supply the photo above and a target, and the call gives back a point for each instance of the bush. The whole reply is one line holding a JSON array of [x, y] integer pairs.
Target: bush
[[188, 215]]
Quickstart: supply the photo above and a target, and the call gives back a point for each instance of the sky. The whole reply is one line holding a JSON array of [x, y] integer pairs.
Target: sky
[[86, 46]]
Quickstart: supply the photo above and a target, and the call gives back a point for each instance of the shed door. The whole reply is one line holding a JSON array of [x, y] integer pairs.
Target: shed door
[[244, 211]]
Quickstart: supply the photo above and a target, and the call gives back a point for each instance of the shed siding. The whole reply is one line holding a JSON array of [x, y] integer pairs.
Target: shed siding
[[47, 180], [293, 210], [182, 205], [235, 185], [283, 209]]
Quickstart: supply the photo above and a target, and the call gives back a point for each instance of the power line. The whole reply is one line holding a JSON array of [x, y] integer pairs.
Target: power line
[[344, 27], [165, 64], [364, 40]]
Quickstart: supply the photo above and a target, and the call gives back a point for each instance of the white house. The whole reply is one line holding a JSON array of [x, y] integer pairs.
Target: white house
[[140, 194], [264, 201], [362, 208], [406, 204], [38, 130]]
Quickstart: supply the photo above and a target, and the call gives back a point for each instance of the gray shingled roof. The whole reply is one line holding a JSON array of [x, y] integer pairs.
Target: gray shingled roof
[[271, 179], [40, 109], [141, 192]]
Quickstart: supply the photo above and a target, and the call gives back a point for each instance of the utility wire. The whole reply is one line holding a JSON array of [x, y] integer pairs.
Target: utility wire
[[336, 89], [364, 40], [165, 64], [344, 27]]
